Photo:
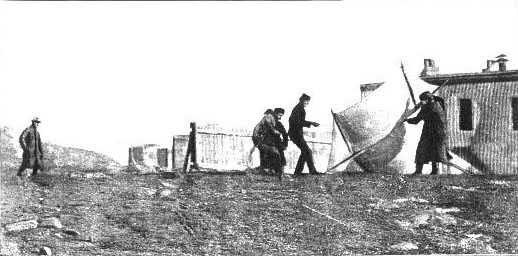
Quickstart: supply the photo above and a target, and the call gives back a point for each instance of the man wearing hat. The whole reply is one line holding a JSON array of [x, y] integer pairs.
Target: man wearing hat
[[432, 145], [297, 123], [280, 140], [262, 137], [30, 142]]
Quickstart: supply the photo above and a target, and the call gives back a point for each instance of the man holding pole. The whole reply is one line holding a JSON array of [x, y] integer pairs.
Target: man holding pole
[[432, 145]]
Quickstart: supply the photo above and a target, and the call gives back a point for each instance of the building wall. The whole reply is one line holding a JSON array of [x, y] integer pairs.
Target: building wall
[[492, 145]]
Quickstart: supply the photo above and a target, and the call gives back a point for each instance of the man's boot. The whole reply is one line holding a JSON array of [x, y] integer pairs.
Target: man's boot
[[435, 168], [418, 169]]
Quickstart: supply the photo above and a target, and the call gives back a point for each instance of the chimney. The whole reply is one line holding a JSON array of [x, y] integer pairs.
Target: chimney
[[490, 64], [429, 68], [501, 62]]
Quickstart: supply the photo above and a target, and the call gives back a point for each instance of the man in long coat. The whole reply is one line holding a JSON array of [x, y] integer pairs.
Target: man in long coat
[[30, 141], [263, 139], [432, 145], [297, 123], [280, 141]]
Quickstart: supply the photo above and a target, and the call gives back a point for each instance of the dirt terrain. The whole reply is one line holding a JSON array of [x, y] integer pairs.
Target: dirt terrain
[[253, 214]]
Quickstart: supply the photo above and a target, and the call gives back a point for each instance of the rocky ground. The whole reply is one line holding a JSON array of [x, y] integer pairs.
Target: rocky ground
[[96, 213]]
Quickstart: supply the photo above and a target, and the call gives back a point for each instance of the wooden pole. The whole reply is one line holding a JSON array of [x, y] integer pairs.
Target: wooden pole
[[194, 149], [408, 84]]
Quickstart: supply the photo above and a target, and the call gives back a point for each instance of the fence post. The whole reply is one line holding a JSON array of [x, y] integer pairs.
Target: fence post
[[191, 149]]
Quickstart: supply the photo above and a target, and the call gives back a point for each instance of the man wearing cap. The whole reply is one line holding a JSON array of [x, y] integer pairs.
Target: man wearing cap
[[30, 142], [280, 141], [297, 123], [263, 140], [432, 145]]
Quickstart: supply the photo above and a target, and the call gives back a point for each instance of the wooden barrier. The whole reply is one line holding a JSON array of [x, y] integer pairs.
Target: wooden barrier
[[228, 148]]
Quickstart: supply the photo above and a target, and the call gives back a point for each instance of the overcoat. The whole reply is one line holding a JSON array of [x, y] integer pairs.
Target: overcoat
[[433, 144], [30, 142]]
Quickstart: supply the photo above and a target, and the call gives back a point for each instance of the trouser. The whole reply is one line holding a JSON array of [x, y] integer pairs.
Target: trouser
[[306, 156], [419, 168], [271, 158], [34, 170]]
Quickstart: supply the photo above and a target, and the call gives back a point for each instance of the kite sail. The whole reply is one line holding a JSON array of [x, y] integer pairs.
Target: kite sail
[[372, 135]]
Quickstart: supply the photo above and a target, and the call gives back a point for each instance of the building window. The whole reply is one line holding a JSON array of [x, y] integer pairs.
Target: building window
[[466, 115], [514, 106]]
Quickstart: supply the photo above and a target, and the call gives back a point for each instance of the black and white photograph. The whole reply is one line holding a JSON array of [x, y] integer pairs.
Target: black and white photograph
[[259, 127]]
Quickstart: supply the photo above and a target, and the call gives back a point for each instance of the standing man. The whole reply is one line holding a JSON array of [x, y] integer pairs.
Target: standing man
[[262, 138], [297, 122], [432, 146], [281, 140], [30, 142]]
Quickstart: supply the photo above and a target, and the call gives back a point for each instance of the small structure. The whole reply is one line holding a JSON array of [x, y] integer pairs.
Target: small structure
[[482, 111], [148, 157]]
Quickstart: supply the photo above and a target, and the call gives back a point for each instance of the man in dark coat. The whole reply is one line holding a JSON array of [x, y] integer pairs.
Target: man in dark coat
[[263, 138], [281, 140], [297, 123], [432, 146], [30, 142]]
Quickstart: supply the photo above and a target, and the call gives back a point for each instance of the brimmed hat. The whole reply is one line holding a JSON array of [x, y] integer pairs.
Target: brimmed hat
[[304, 97], [278, 111], [426, 96], [36, 120]]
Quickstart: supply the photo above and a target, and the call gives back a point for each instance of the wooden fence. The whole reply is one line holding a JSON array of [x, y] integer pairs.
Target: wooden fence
[[228, 148]]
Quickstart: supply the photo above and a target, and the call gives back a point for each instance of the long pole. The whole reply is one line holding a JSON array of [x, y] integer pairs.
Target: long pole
[[408, 84]]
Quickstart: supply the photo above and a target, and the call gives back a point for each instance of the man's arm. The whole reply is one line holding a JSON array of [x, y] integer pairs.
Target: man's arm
[[416, 119], [22, 139], [40, 145]]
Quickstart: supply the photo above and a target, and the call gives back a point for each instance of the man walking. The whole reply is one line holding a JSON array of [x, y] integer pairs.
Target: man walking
[[281, 140], [263, 139], [30, 142], [432, 145], [297, 123]]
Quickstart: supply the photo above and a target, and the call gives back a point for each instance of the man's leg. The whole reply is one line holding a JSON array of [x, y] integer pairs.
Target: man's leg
[[418, 169], [435, 168], [35, 170], [20, 170], [307, 154]]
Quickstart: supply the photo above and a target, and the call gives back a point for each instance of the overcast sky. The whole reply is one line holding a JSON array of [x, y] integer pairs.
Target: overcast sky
[[106, 75]]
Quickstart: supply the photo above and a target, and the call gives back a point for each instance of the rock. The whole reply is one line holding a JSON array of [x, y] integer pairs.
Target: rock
[[472, 245], [8, 248], [170, 175], [445, 220], [45, 251], [99, 175], [168, 185], [22, 225], [148, 191], [421, 219], [405, 246], [58, 235], [404, 225], [447, 210], [75, 175], [50, 223], [71, 232], [165, 193]]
